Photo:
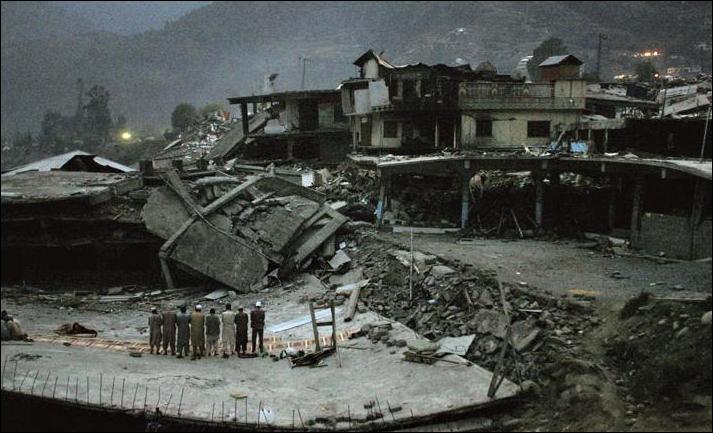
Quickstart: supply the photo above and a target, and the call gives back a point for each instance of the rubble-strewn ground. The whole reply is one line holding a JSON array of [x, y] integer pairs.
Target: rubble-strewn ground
[[582, 364]]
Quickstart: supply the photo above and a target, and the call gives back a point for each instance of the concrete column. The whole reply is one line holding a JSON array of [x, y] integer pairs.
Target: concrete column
[[244, 118], [166, 271], [539, 198], [612, 209], [636, 206], [254, 107], [290, 147], [606, 141], [455, 134], [355, 121], [436, 135], [381, 205], [702, 190], [465, 195]]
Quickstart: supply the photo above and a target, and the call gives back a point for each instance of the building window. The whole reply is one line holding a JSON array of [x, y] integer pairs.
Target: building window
[[539, 128], [483, 128], [391, 129]]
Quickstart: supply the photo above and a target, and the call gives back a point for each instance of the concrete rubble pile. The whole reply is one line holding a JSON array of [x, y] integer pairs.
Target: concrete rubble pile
[[240, 232], [352, 191], [453, 300], [196, 142]]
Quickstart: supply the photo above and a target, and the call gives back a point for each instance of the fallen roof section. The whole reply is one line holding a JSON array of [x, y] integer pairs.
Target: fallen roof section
[[263, 224], [77, 160]]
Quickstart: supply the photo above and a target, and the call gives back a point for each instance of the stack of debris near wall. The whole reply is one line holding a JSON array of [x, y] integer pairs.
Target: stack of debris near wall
[[240, 232]]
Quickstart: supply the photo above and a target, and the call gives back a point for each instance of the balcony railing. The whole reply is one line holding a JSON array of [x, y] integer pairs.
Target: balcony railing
[[503, 96]]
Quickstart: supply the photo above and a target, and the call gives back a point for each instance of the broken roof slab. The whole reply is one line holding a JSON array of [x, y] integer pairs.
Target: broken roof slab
[[56, 186]]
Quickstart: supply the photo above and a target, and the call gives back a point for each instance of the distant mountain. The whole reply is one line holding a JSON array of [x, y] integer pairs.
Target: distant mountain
[[40, 20], [225, 48]]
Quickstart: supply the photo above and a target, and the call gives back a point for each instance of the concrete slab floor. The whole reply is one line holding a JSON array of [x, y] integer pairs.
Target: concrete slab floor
[[368, 371], [563, 266]]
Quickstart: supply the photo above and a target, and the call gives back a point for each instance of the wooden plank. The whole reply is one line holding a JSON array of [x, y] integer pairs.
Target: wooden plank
[[352, 305], [314, 327]]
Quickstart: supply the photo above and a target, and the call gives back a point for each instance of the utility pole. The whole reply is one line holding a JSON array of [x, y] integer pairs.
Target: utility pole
[[602, 37], [304, 61]]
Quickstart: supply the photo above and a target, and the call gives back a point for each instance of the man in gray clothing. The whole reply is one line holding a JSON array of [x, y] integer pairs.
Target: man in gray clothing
[[183, 321]]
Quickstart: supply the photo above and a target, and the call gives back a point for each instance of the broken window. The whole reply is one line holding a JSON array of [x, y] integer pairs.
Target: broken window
[[391, 129], [538, 128], [484, 128]]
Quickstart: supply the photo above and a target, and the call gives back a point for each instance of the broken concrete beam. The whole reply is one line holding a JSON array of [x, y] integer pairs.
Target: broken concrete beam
[[349, 288]]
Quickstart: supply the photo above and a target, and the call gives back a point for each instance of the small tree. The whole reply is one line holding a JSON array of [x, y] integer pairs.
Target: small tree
[[548, 48], [98, 117], [183, 116], [53, 133], [645, 71]]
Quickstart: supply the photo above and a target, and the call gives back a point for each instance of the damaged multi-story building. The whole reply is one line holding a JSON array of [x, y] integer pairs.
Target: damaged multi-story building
[[306, 124], [416, 108]]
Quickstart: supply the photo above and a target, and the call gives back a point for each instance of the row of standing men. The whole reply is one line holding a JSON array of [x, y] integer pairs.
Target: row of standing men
[[172, 330]]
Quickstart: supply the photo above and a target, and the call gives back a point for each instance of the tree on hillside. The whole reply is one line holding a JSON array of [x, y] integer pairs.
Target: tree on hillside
[[54, 134], [183, 116], [645, 71], [548, 48], [98, 122]]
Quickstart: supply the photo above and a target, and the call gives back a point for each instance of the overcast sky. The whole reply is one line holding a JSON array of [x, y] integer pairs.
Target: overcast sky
[[129, 17]]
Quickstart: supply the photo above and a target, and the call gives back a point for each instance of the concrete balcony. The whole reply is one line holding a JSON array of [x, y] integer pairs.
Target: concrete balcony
[[515, 96]]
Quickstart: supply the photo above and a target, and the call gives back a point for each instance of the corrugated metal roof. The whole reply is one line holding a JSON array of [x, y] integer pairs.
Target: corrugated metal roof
[[58, 161], [556, 60]]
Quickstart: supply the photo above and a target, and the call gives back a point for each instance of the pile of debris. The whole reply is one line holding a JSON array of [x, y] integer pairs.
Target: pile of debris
[[353, 191], [196, 142], [442, 300], [663, 347]]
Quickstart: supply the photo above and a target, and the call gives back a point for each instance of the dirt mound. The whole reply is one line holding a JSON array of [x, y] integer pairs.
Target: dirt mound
[[664, 348]]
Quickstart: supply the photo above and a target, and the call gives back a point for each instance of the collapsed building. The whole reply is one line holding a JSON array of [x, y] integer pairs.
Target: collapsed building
[[306, 124], [420, 107]]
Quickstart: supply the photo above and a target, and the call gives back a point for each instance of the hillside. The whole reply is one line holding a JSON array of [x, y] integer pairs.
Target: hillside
[[225, 48]]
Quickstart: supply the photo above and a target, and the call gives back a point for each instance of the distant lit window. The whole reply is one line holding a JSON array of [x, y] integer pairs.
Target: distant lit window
[[391, 129], [483, 128], [539, 128]]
